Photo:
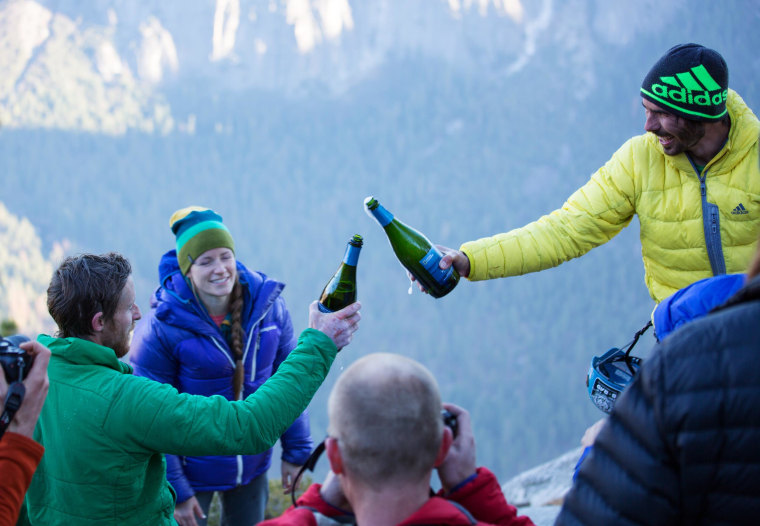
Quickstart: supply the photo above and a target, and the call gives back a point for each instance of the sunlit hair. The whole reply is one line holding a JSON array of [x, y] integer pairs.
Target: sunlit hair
[[84, 285], [385, 411]]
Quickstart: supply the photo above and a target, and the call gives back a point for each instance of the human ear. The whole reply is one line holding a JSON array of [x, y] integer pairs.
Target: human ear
[[334, 456], [446, 441], [98, 322]]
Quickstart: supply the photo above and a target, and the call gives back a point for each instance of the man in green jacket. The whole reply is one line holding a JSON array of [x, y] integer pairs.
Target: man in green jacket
[[692, 179], [105, 431]]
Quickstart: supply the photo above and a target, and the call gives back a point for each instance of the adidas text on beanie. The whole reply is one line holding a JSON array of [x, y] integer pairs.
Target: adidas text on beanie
[[690, 81]]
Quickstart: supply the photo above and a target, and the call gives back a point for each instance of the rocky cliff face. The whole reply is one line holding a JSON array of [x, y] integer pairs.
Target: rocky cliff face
[[106, 66], [538, 492], [60, 73]]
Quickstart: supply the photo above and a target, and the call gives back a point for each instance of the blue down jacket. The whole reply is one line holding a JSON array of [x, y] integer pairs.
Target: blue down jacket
[[682, 445], [179, 344]]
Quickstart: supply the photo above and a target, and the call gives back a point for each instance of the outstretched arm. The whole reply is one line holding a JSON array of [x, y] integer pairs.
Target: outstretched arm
[[591, 216], [203, 425]]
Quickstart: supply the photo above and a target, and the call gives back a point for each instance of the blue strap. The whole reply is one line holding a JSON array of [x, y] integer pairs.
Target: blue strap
[[464, 483]]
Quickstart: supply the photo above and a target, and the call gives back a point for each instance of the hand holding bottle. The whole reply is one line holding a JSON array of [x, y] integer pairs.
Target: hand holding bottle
[[451, 257], [339, 326], [415, 252]]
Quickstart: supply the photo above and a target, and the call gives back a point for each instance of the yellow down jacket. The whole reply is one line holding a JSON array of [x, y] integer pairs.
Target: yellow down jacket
[[666, 193]]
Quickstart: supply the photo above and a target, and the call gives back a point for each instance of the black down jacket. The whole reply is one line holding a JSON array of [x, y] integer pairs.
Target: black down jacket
[[682, 445]]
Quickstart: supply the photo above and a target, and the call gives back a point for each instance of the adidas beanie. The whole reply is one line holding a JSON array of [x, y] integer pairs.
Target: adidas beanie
[[198, 230], [690, 81]]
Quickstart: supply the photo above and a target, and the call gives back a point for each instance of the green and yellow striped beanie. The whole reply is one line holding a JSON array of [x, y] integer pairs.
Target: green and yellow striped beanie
[[197, 230]]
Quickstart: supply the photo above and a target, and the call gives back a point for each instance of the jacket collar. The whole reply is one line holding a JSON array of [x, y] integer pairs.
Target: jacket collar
[[440, 511], [742, 135], [83, 352], [175, 303]]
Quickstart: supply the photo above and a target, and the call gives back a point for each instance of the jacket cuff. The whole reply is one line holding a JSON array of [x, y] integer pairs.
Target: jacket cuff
[[464, 482], [297, 458], [472, 484], [297, 442], [470, 249], [319, 340], [176, 477]]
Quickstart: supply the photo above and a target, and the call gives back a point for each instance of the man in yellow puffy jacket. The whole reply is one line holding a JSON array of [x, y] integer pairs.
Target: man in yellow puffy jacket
[[693, 180]]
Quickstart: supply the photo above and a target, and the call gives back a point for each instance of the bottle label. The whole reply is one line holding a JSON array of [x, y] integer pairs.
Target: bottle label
[[430, 263]]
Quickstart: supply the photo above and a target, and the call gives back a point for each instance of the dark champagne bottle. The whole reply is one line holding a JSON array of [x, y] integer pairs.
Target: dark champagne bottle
[[340, 291], [415, 252]]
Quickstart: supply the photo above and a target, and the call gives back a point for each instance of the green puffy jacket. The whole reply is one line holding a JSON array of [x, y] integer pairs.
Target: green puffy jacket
[[105, 431], [665, 192]]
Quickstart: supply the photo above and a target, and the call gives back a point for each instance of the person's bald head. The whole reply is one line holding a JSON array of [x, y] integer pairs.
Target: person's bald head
[[385, 411]]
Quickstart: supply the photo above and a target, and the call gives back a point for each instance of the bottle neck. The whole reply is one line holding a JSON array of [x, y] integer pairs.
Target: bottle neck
[[382, 215], [351, 257]]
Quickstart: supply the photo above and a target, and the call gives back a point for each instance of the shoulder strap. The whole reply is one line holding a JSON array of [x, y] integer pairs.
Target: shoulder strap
[[15, 396], [310, 463]]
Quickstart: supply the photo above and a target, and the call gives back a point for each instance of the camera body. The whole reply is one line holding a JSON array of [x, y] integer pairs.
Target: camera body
[[450, 420], [14, 360]]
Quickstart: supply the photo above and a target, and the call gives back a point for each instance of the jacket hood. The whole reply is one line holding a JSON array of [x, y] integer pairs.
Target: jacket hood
[[173, 301], [84, 352], [694, 301]]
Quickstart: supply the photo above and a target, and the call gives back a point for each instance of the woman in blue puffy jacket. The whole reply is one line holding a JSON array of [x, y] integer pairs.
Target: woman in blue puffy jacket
[[217, 328]]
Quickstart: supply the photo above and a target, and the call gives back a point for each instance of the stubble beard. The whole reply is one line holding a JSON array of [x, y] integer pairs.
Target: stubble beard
[[687, 136]]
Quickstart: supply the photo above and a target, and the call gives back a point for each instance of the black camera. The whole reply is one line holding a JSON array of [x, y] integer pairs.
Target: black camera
[[15, 361], [450, 420]]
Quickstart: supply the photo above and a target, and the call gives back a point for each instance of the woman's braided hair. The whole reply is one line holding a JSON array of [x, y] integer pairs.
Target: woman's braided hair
[[237, 335]]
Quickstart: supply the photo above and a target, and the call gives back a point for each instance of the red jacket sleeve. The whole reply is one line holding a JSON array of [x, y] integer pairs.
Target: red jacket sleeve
[[19, 457], [483, 498]]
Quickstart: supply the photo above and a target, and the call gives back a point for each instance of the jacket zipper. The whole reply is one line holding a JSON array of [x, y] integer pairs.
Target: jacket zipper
[[255, 355], [239, 479], [224, 351], [247, 346], [711, 226], [256, 348]]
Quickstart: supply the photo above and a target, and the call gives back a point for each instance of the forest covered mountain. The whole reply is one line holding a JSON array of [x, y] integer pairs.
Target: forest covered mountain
[[463, 117]]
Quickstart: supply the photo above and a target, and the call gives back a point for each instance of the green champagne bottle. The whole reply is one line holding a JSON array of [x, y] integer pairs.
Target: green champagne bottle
[[415, 252], [340, 291]]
